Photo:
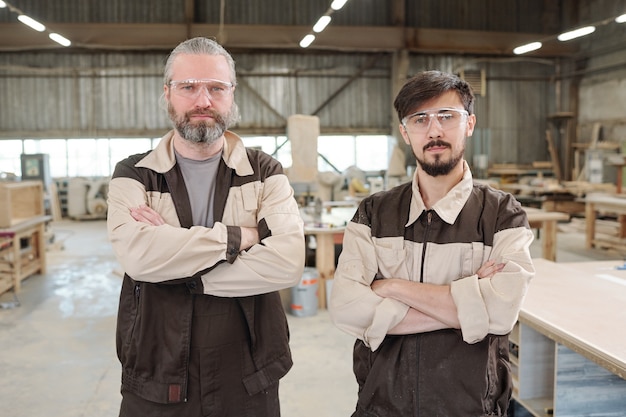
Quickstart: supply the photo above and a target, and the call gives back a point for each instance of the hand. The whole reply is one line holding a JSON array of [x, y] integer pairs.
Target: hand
[[489, 269], [249, 237], [146, 215]]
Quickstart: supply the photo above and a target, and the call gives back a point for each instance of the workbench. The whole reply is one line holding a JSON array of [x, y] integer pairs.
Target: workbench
[[325, 237], [595, 203], [568, 349], [23, 252], [546, 221]]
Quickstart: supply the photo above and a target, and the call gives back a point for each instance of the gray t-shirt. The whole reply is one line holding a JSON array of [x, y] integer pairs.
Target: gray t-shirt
[[200, 179]]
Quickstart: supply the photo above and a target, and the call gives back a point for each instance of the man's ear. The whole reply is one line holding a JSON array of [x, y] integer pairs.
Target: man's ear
[[404, 134], [471, 123]]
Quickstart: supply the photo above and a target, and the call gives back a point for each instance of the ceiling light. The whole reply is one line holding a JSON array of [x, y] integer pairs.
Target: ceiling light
[[60, 39], [307, 40], [2, 4], [321, 24], [32, 23], [533, 46], [337, 4], [621, 19], [576, 33]]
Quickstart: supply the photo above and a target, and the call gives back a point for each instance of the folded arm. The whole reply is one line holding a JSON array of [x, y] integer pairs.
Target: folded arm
[[233, 260], [432, 306]]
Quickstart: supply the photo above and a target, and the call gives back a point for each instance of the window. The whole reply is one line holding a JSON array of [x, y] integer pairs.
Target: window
[[92, 157], [368, 153], [10, 163]]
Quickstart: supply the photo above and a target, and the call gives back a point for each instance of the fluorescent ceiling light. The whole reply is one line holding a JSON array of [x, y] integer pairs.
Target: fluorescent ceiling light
[[307, 40], [621, 19], [533, 46], [2, 4], [337, 4], [576, 33], [32, 23], [321, 24], [60, 39]]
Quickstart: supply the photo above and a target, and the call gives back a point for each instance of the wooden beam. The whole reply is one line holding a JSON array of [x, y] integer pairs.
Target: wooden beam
[[156, 36]]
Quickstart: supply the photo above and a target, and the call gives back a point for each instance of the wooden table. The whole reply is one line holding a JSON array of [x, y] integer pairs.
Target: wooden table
[[546, 221], [608, 203], [19, 267], [324, 256], [570, 341]]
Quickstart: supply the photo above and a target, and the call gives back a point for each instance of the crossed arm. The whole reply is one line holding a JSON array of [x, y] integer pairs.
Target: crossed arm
[[145, 214], [431, 306]]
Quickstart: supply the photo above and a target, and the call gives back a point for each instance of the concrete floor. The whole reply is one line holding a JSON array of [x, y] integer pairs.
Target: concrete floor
[[58, 352]]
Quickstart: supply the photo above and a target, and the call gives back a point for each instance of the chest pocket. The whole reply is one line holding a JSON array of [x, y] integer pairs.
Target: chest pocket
[[250, 196], [242, 205]]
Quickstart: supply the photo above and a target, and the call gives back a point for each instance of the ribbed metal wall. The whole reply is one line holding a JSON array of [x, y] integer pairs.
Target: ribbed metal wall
[[57, 94], [532, 16], [603, 80], [76, 95]]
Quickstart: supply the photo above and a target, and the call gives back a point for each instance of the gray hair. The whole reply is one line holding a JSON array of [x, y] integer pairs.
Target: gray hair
[[198, 46]]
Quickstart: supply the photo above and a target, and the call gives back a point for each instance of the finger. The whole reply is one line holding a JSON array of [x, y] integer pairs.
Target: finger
[[154, 217], [146, 215]]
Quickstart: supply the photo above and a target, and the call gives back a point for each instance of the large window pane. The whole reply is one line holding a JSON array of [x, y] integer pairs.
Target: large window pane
[[372, 152], [123, 148], [57, 154], [269, 144], [10, 163], [339, 152]]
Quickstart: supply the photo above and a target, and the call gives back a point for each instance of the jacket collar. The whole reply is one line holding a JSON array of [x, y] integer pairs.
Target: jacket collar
[[449, 207], [163, 158]]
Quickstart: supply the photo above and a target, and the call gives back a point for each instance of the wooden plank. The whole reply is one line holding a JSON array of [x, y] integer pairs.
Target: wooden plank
[[554, 156], [580, 305]]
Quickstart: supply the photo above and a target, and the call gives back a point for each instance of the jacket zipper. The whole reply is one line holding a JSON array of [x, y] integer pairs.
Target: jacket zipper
[[429, 217]]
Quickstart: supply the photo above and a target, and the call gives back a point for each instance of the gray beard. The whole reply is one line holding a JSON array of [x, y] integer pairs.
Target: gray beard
[[204, 132]]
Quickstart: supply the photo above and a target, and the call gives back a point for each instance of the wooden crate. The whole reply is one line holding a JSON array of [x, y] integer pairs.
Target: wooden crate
[[20, 201]]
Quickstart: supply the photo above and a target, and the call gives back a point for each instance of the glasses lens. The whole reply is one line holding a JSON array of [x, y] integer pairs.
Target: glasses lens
[[447, 119], [193, 88]]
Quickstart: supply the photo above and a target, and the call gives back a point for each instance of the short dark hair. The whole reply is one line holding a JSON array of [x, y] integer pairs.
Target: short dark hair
[[427, 85]]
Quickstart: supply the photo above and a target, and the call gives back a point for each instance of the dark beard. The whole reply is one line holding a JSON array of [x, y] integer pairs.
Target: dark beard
[[203, 132], [439, 167]]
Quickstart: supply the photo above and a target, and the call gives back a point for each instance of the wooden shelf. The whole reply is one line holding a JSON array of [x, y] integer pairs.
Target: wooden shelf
[[22, 252]]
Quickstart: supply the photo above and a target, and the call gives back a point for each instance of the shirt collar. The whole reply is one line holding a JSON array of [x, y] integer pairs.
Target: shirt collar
[[449, 207]]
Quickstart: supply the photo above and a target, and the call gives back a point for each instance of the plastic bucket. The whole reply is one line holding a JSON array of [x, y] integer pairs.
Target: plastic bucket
[[304, 295]]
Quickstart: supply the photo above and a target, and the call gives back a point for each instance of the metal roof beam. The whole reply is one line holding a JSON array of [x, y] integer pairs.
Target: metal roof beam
[[139, 36]]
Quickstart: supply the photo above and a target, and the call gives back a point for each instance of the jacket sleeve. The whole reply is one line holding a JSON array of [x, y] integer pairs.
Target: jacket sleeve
[[492, 305], [353, 306], [278, 261]]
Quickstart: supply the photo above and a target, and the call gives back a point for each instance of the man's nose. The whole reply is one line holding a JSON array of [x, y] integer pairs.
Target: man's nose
[[204, 97], [434, 127]]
